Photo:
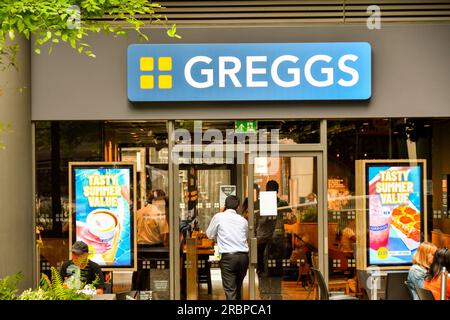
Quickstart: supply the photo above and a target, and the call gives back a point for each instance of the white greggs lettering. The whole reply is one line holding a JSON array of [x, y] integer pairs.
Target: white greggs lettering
[[229, 67]]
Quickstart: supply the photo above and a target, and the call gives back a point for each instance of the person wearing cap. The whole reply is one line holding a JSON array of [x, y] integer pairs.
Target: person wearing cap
[[89, 270]]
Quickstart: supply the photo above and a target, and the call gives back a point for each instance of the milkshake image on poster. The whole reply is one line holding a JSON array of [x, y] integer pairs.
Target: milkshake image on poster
[[103, 214], [104, 225], [379, 223]]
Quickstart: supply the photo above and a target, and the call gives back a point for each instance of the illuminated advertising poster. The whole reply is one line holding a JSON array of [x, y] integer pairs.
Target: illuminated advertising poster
[[395, 211], [103, 206]]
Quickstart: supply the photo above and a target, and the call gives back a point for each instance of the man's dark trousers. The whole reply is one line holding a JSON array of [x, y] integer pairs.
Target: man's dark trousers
[[233, 267]]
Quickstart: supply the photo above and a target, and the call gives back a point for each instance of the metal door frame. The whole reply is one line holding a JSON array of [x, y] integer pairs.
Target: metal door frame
[[318, 150], [322, 217], [174, 219]]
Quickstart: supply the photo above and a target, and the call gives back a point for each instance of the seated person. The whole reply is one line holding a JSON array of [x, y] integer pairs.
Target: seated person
[[311, 198], [421, 263], [433, 279], [152, 226], [89, 271]]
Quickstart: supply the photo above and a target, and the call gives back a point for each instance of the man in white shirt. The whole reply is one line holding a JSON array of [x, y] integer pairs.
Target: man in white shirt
[[231, 231]]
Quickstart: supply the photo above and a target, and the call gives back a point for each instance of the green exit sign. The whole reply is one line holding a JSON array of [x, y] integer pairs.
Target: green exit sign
[[244, 126]]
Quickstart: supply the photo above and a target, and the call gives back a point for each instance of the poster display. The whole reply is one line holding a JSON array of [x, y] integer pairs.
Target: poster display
[[338, 194], [102, 204], [395, 212]]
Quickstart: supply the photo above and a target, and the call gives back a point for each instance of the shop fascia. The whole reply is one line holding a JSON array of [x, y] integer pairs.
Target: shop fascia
[[211, 147], [249, 72]]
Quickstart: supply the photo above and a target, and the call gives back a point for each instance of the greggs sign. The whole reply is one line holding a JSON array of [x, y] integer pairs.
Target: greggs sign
[[262, 71]]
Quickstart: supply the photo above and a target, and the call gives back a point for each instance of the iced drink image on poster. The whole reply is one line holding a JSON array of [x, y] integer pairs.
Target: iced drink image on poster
[[394, 213], [103, 214]]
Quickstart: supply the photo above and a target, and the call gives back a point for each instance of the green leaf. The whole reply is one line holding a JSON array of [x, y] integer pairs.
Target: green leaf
[[37, 50], [26, 32], [144, 36], [47, 20], [90, 54], [8, 284], [20, 25], [11, 34], [44, 282], [43, 40], [173, 32], [80, 49]]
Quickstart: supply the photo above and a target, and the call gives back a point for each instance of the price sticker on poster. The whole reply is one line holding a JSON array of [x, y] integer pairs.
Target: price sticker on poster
[[225, 191], [102, 203], [395, 211]]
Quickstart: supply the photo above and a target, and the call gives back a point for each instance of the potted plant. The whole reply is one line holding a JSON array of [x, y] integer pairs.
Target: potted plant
[[8, 286], [54, 289], [309, 214]]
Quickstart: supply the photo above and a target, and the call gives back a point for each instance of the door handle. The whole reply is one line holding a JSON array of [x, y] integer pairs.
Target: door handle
[[253, 251]]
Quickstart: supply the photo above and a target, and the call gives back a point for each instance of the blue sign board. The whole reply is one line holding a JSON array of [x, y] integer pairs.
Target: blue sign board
[[262, 71]]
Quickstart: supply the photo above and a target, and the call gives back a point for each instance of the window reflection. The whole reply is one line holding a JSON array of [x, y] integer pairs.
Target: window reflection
[[402, 138]]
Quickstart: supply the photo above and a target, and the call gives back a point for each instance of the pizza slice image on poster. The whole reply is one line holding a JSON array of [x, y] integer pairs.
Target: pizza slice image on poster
[[103, 216], [395, 210]]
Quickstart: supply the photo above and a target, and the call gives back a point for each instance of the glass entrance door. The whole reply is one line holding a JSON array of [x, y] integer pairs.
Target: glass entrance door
[[282, 197], [287, 226], [200, 190]]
